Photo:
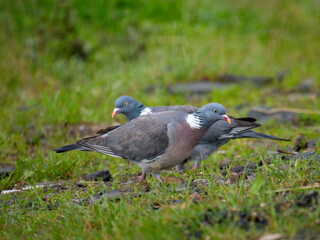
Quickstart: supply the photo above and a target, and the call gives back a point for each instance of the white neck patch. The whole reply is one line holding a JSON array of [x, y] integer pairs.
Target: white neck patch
[[146, 111], [193, 121]]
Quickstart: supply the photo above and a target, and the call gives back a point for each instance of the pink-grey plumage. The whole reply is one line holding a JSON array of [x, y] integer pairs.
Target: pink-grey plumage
[[159, 141]]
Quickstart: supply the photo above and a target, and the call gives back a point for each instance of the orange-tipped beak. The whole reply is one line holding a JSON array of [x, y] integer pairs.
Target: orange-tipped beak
[[115, 112], [226, 118]]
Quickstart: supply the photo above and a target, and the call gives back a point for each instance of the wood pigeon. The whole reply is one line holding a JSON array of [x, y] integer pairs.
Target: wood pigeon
[[218, 134], [159, 141]]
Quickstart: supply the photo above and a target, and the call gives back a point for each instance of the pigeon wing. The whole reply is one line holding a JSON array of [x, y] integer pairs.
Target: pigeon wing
[[222, 130], [140, 139]]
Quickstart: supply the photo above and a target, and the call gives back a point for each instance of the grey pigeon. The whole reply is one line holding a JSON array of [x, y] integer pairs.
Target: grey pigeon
[[155, 142], [218, 134]]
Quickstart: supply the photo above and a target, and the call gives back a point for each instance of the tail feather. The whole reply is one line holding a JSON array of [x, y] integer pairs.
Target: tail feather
[[253, 134], [70, 147]]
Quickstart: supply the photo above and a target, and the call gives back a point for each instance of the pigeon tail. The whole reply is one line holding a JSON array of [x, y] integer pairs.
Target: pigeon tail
[[253, 134], [70, 147]]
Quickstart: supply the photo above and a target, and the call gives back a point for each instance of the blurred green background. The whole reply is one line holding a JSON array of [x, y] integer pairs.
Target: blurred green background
[[63, 64], [73, 58]]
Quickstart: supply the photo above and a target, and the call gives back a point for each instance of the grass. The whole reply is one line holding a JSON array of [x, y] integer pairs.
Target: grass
[[64, 63]]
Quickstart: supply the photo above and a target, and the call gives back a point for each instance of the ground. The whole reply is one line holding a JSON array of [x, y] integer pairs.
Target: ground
[[64, 63]]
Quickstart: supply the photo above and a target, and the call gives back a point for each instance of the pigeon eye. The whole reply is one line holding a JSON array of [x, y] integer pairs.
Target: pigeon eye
[[125, 104], [215, 110]]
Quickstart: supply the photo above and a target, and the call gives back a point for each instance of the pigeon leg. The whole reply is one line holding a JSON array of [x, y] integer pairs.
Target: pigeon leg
[[157, 176], [143, 180], [143, 177], [195, 165]]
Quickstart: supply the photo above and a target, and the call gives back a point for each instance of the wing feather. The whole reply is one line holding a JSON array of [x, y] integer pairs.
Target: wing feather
[[143, 138], [222, 130]]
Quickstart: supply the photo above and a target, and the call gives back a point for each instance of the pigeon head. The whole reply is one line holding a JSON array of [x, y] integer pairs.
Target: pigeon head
[[128, 106], [208, 115]]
